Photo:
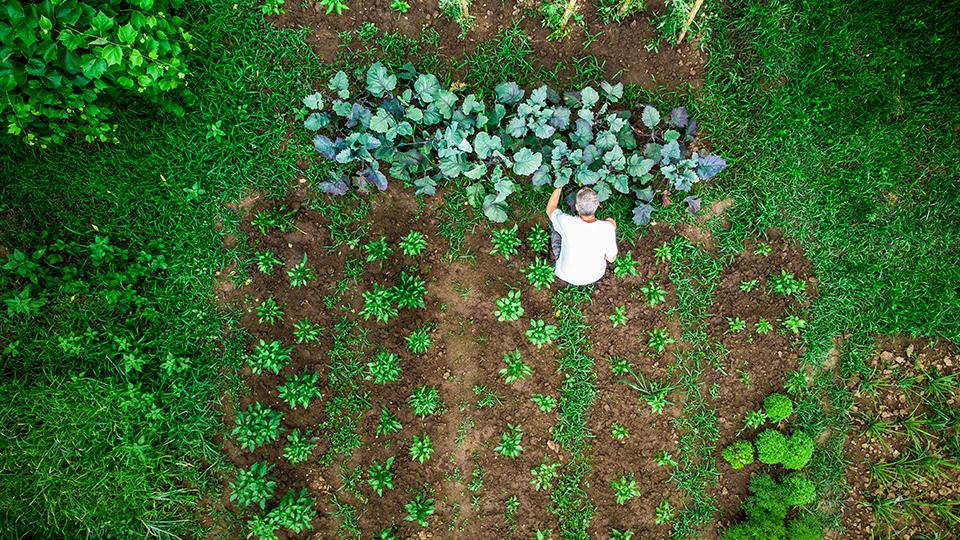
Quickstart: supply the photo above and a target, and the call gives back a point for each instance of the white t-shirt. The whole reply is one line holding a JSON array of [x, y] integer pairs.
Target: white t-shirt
[[586, 248]]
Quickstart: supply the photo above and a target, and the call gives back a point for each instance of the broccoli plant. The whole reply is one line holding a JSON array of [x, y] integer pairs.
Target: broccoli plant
[[419, 340], [624, 265], [509, 307], [413, 243], [424, 401], [544, 402], [380, 477], [257, 425], [252, 486], [384, 368], [269, 357], [305, 331], [540, 273], [544, 474], [516, 370], [300, 389], [538, 239], [619, 316], [388, 423], [269, 312], [510, 442], [624, 488], [419, 509], [266, 261], [301, 274], [299, 446], [505, 242], [378, 250], [739, 454], [777, 407], [541, 333]]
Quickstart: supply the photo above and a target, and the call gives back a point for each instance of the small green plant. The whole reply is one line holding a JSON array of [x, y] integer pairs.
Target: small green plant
[[624, 488], [378, 303], [538, 239], [274, 218], [516, 370], [777, 407], [735, 325], [795, 382], [299, 446], [540, 274], [266, 261], [749, 286], [252, 487], [754, 419], [799, 450], [739, 454], [419, 340], [618, 431], [409, 291], [272, 7], [510, 442], [540, 534], [269, 312], [619, 316], [476, 478], [664, 513], [400, 6], [269, 357], [763, 326], [300, 389], [544, 402], [421, 448], [624, 265], [541, 333], [763, 249], [544, 474], [419, 509], [334, 6], [414, 242], [664, 459], [617, 534], [662, 253], [380, 477], [771, 446], [509, 307], [378, 250], [617, 10], [488, 398], [295, 512], [386, 533], [458, 11], [257, 425], [262, 528], [301, 274], [654, 294], [785, 284], [389, 422], [618, 365], [505, 242], [658, 339], [424, 401], [559, 15], [384, 368], [305, 331], [794, 324]]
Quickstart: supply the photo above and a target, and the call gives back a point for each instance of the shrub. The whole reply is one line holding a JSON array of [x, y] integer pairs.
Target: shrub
[[540, 273], [798, 490], [505, 242], [413, 243], [624, 488], [409, 291], [301, 274], [777, 407], [69, 60], [739, 454], [544, 402], [799, 450], [541, 333], [380, 477], [771, 446], [378, 303], [419, 509], [510, 442], [388, 423], [516, 370], [538, 239], [419, 340], [378, 250], [544, 474], [509, 307], [421, 448]]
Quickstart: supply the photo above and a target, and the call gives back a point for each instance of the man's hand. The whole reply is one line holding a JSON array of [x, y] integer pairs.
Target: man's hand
[[611, 220]]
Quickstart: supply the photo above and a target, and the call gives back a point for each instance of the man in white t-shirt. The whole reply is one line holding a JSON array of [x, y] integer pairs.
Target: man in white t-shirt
[[586, 245]]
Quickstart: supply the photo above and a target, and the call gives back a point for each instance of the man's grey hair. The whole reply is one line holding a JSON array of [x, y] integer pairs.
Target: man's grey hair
[[587, 202]]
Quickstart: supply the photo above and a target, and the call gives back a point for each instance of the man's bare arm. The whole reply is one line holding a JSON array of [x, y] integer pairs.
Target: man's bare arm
[[554, 201]]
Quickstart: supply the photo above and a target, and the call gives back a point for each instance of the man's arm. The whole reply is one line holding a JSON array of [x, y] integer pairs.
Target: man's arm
[[612, 247], [554, 201]]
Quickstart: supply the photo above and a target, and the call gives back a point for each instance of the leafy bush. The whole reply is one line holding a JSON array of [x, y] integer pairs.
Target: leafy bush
[[380, 477], [516, 370], [262, 528], [269, 357], [295, 511], [739, 454], [763, 326], [767, 508], [300, 389], [252, 486], [388, 423], [538, 239], [541, 333], [509, 307], [409, 291], [544, 402], [754, 419], [510, 442], [419, 509], [540, 273], [305, 331], [771, 446], [334, 6], [777, 407], [624, 488], [419, 340], [257, 426], [617, 534], [798, 489], [269, 312], [428, 135], [66, 62], [378, 250], [804, 528], [505, 242], [424, 401], [413, 243], [384, 368], [544, 474], [378, 303], [301, 274], [799, 450], [624, 265], [299, 446]]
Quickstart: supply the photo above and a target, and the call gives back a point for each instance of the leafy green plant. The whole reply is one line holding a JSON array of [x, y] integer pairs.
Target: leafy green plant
[[739, 454], [654, 294], [380, 477], [540, 274], [299, 446], [378, 250], [509, 307], [300, 389], [305, 331], [378, 303], [798, 451], [544, 474], [400, 6], [269, 312], [754, 419], [617, 534], [558, 15], [409, 291], [272, 7], [301, 274], [540, 534], [658, 339], [664, 459], [419, 509], [334, 6], [295, 511], [618, 10], [665, 513], [386, 533], [419, 340], [785, 284], [763, 249], [763, 326], [544, 402], [421, 448], [736, 325], [771, 446], [510, 442], [458, 11], [266, 261], [794, 324], [624, 488], [618, 431], [252, 486], [624, 265], [795, 382], [798, 489], [662, 253], [388, 423], [278, 218], [262, 527], [505, 242], [516, 370], [424, 401], [538, 239], [257, 425], [384, 368], [619, 316], [750, 285], [541, 333], [618, 365], [413, 243], [777, 407], [270, 356]]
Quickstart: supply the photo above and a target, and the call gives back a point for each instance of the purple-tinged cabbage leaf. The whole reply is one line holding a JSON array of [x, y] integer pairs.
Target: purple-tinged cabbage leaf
[[679, 117], [710, 166]]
